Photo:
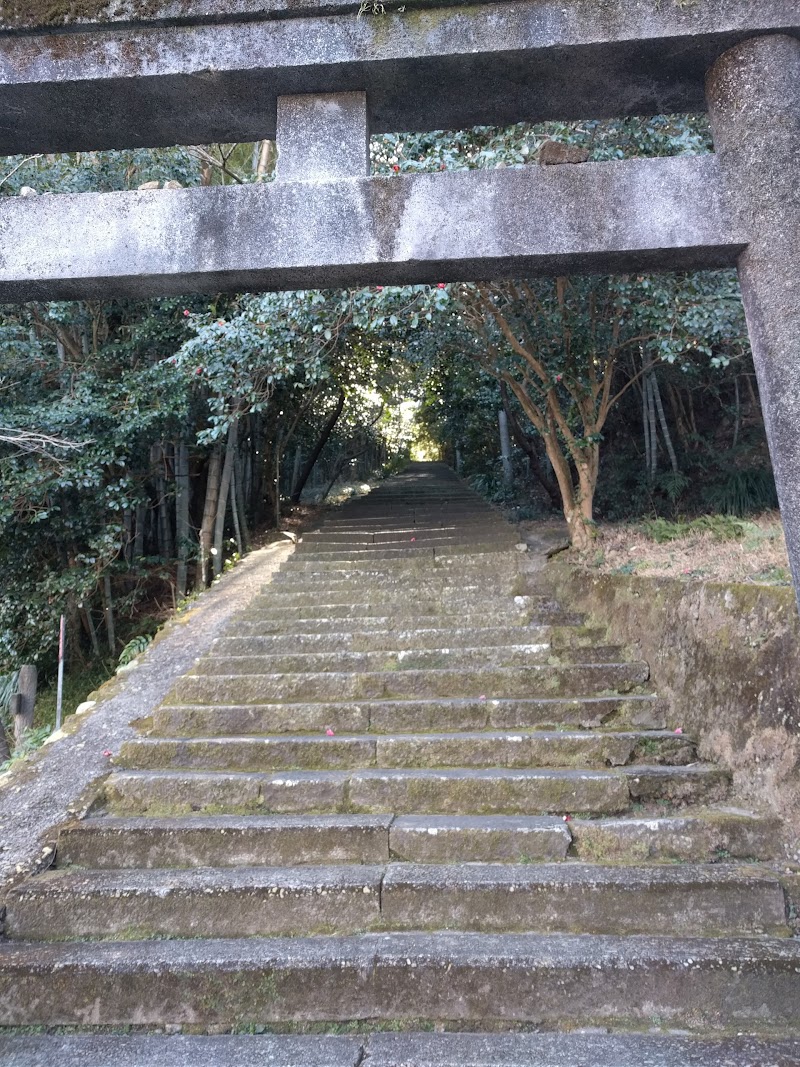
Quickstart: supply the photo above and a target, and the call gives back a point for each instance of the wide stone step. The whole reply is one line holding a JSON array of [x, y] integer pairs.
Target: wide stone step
[[376, 581], [486, 749], [392, 591], [493, 898], [419, 659], [703, 836], [401, 563], [495, 791], [717, 984], [227, 841], [325, 606], [406, 1049], [411, 550], [306, 622], [180, 1050], [484, 541], [373, 600], [572, 1050], [391, 716], [441, 531], [572, 680], [376, 791], [557, 638]]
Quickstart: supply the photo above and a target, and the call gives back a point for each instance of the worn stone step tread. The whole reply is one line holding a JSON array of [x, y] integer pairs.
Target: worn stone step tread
[[414, 715], [324, 624], [523, 680], [251, 901], [458, 749], [700, 984], [574, 1050], [429, 637], [410, 791], [478, 838], [702, 835], [195, 902], [224, 840], [180, 1050], [222, 661], [688, 900]]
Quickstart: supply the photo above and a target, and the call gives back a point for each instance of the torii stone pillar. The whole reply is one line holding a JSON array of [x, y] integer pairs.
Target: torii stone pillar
[[753, 95]]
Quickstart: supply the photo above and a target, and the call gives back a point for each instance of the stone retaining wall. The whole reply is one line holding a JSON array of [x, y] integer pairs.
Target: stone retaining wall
[[727, 660]]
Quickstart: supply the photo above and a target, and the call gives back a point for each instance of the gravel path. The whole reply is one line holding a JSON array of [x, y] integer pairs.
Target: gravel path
[[62, 779]]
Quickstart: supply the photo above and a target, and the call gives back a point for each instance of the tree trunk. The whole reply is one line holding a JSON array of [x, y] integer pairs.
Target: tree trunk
[[165, 546], [673, 459], [108, 612], [241, 510], [88, 623], [209, 515], [127, 536], [505, 449], [224, 490], [138, 537], [298, 459], [327, 430], [182, 513], [528, 447]]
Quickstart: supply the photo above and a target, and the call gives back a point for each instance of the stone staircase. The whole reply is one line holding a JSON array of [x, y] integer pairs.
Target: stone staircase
[[407, 793]]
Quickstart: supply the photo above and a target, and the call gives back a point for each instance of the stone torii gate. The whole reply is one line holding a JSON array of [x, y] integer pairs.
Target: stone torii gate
[[319, 79]]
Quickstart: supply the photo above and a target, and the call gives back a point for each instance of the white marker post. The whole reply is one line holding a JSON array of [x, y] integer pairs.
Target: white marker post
[[60, 690]]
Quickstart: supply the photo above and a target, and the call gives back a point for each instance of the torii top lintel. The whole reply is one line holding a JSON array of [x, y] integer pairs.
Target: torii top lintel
[[128, 73]]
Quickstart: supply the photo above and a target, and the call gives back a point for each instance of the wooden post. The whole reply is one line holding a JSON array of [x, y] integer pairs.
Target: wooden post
[[23, 702]]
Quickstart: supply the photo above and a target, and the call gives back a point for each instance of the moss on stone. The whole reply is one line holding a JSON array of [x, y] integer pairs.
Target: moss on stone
[[31, 13]]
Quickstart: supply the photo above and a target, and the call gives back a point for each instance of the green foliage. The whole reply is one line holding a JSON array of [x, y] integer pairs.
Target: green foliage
[[720, 527], [743, 492], [8, 687], [28, 744], [135, 647]]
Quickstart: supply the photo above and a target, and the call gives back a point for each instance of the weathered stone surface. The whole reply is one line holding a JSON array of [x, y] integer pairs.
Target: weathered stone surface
[[680, 785], [473, 838], [379, 640], [558, 749], [587, 1050], [232, 902], [487, 792], [237, 720], [182, 792], [544, 680], [628, 215], [754, 102], [724, 657], [697, 984], [583, 898], [217, 77], [225, 841], [250, 753], [702, 837], [322, 137], [179, 1050], [509, 655]]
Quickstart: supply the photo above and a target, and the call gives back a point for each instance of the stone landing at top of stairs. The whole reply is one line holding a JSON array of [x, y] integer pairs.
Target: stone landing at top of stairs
[[407, 792]]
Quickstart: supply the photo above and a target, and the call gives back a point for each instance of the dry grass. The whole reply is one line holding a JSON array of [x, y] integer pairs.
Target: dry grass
[[758, 555]]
